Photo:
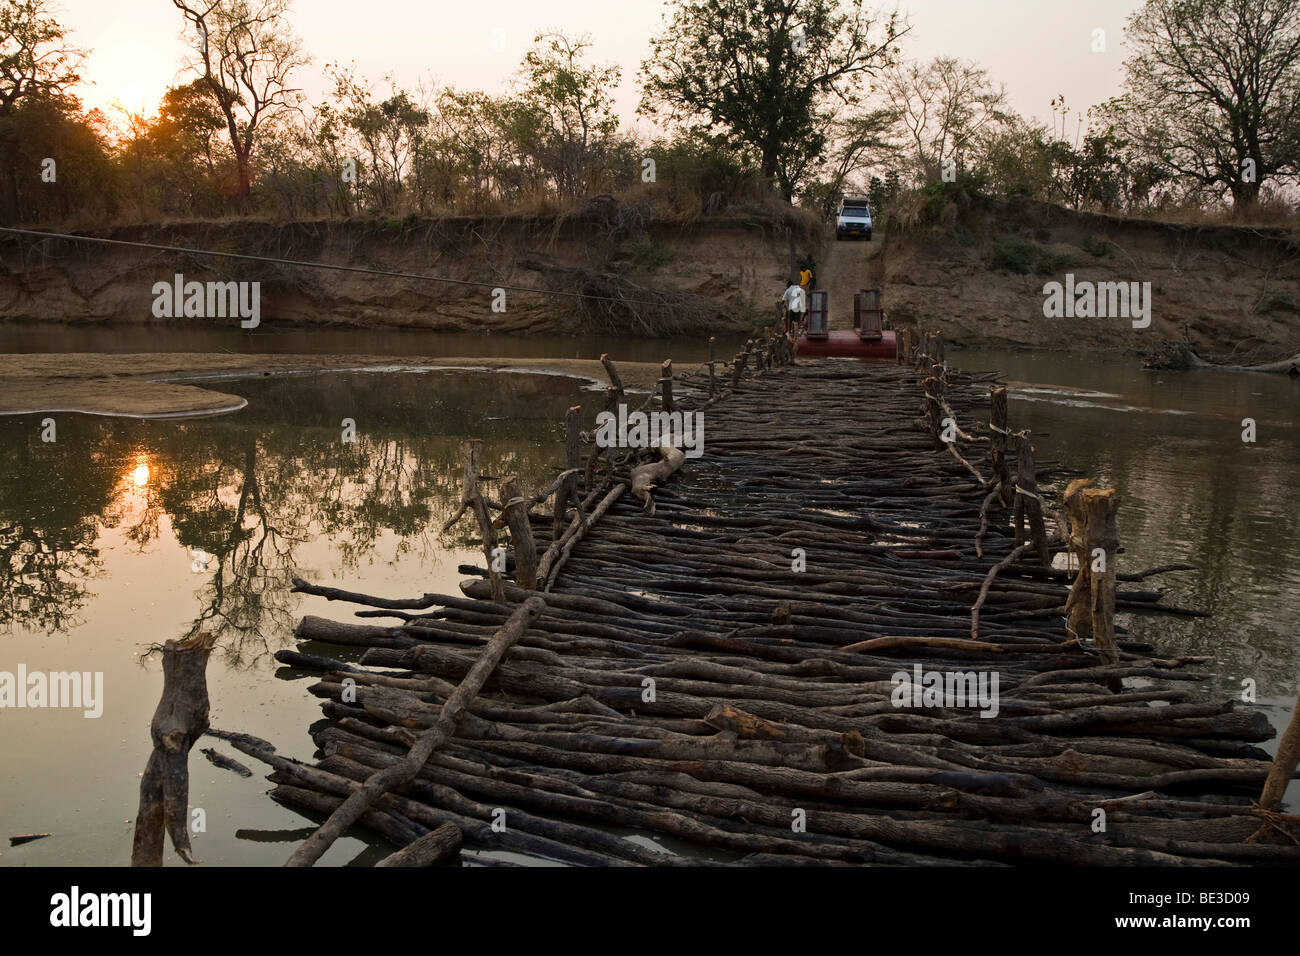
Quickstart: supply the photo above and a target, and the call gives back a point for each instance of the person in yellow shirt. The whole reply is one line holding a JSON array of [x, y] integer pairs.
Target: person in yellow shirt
[[805, 278]]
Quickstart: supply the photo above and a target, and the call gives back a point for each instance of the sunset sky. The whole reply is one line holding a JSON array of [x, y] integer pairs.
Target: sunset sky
[[1038, 48]]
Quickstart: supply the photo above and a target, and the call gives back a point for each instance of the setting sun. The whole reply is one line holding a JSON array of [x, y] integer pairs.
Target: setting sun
[[141, 474]]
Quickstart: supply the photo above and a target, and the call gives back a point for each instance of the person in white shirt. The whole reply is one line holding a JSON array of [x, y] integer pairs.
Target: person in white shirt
[[796, 304]]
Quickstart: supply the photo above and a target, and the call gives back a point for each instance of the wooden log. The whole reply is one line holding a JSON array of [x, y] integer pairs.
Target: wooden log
[[988, 583], [179, 720], [436, 846], [555, 559], [382, 782], [521, 533]]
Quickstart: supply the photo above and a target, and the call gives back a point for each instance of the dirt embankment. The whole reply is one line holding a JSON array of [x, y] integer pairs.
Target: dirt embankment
[[644, 276], [1232, 293], [978, 273]]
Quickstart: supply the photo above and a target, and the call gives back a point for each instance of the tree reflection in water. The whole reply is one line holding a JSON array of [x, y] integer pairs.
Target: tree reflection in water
[[242, 494]]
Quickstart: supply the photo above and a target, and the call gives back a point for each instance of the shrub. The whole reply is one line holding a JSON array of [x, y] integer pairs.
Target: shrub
[[1014, 255], [1099, 246]]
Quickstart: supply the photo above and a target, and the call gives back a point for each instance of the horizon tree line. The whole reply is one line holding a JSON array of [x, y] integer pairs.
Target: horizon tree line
[[795, 100]]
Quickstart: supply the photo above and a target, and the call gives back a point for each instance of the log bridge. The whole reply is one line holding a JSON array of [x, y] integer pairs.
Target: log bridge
[[725, 660]]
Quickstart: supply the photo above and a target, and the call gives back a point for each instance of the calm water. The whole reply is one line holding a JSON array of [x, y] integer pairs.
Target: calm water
[[266, 339], [122, 534]]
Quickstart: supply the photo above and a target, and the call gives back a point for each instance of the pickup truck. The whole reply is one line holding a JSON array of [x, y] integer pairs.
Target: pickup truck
[[854, 219]]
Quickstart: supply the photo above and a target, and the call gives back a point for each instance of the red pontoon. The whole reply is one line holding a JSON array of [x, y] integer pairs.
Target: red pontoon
[[867, 339]]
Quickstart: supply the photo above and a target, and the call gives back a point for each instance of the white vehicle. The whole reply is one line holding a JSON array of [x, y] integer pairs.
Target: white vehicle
[[854, 219]]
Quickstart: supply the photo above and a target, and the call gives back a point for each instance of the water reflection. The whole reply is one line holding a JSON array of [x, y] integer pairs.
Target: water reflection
[[241, 497]]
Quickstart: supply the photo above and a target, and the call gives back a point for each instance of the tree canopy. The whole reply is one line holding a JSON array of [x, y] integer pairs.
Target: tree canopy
[[762, 75]]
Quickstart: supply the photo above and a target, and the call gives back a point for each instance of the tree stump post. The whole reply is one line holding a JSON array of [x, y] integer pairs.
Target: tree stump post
[[1281, 773], [471, 499], [614, 378], [998, 444], [180, 719], [666, 384], [515, 507], [568, 491], [1028, 506], [713, 382], [1094, 539]]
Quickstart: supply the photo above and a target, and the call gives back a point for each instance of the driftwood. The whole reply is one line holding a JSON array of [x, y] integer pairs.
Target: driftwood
[[180, 719], [646, 477]]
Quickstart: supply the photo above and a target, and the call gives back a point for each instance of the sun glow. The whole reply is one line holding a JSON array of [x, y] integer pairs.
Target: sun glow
[[141, 473]]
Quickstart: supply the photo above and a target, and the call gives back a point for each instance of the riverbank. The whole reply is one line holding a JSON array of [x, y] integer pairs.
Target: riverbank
[[163, 385]]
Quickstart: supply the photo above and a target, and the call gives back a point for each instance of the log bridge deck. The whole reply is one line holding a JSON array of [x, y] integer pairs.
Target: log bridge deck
[[720, 674]]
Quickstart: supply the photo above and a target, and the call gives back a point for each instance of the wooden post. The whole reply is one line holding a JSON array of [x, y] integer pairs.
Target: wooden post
[[1103, 547], [1027, 504], [937, 346], [515, 506], [713, 382], [666, 384], [998, 444], [1094, 539], [1283, 769], [436, 846], [614, 377], [738, 368], [471, 499], [568, 491], [180, 719], [933, 386]]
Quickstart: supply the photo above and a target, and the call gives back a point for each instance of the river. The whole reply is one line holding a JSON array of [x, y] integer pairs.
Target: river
[[121, 534]]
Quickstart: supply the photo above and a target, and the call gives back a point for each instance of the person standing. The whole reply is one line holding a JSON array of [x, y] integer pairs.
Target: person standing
[[796, 305]]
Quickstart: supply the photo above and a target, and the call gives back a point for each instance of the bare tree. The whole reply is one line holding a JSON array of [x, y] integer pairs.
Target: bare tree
[[943, 107], [246, 53], [1213, 91]]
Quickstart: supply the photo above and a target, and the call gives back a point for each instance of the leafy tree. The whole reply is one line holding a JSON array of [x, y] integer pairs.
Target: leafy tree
[[570, 109], [1212, 91], [762, 75], [36, 62]]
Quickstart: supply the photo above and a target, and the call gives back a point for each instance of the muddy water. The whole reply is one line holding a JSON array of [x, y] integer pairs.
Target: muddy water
[[1191, 490], [268, 339], [119, 535], [123, 534]]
